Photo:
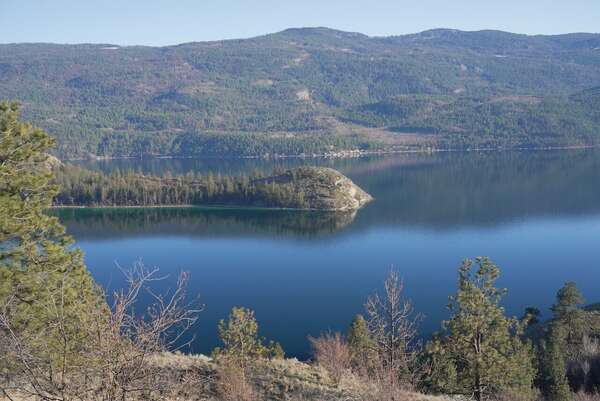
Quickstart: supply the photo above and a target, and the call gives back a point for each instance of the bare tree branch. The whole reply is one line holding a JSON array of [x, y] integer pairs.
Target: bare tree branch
[[104, 357]]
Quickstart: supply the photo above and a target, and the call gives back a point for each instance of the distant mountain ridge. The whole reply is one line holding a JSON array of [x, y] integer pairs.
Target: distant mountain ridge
[[311, 91]]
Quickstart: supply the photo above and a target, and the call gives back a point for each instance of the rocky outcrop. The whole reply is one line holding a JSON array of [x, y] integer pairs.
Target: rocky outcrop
[[321, 188]]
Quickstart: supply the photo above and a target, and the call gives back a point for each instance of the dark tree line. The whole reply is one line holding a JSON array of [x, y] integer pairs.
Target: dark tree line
[[81, 187]]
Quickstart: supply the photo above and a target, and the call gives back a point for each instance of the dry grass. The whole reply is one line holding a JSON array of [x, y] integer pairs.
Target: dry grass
[[292, 380], [275, 380], [586, 397], [232, 383], [360, 389], [533, 395]]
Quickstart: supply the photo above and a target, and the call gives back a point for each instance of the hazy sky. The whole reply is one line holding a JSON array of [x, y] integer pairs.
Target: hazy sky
[[160, 22]]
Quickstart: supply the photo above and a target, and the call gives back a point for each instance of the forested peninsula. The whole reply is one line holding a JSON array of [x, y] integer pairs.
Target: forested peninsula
[[307, 188]]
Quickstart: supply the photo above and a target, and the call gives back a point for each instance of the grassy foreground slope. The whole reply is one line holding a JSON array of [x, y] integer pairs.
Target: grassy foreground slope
[[281, 379], [310, 90]]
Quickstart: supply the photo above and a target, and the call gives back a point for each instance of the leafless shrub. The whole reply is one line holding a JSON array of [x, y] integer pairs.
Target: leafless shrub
[[591, 346], [583, 366], [232, 383], [581, 396], [109, 357], [331, 351], [394, 327], [385, 390]]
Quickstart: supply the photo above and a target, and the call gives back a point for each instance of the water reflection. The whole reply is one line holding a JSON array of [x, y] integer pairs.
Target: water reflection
[[471, 189], [201, 222]]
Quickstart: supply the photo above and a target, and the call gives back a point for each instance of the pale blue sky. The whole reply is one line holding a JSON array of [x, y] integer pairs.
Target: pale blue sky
[[162, 22]]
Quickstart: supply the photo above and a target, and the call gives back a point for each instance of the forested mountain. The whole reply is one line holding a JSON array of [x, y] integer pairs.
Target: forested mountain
[[310, 90]]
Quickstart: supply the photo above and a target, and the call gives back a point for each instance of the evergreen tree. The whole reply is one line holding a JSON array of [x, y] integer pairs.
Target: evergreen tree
[[240, 335], [363, 349], [37, 262], [563, 344], [480, 348], [532, 316], [241, 343], [554, 378], [568, 299], [568, 313], [275, 350]]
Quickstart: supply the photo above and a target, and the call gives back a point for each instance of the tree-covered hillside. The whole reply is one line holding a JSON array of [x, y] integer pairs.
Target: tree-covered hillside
[[310, 90]]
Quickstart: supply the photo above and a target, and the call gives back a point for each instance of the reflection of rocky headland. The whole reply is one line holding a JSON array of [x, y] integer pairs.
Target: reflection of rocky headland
[[202, 222]]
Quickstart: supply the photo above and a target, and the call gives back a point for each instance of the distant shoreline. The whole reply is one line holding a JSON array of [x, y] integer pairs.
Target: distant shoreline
[[342, 154]]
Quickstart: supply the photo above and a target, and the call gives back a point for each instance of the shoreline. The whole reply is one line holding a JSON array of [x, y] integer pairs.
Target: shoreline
[[265, 208], [202, 207], [342, 154]]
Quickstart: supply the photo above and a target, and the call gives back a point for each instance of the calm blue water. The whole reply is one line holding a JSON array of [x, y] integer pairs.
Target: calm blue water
[[536, 214]]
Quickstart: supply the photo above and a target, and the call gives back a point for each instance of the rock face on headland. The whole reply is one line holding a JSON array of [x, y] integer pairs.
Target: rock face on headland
[[321, 188]]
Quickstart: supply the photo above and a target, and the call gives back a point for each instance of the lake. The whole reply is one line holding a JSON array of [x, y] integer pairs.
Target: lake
[[536, 214]]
